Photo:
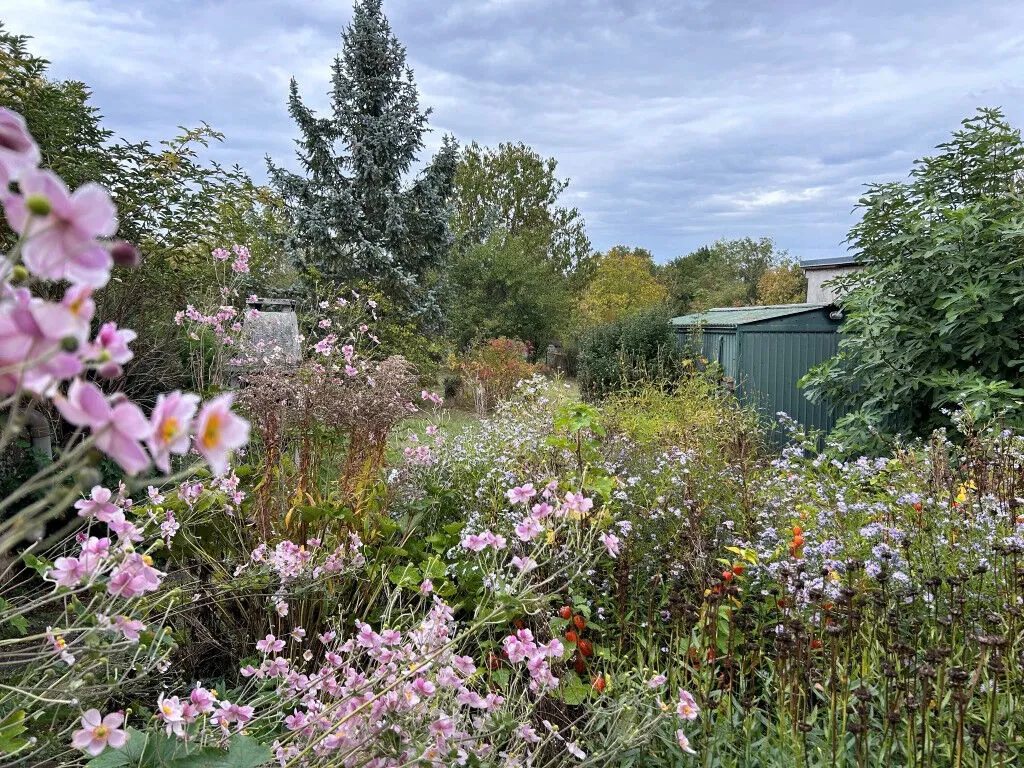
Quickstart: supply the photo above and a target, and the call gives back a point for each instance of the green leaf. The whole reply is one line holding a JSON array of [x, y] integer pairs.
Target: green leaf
[[37, 565], [454, 528], [575, 693], [435, 568], [11, 728], [407, 576], [156, 750], [501, 678], [17, 621], [242, 752]]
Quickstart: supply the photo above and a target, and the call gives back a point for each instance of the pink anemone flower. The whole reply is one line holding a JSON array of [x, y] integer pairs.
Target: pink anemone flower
[[118, 426], [62, 244], [98, 732]]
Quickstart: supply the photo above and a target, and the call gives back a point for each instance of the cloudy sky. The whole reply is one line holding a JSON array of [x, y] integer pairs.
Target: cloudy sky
[[678, 121]]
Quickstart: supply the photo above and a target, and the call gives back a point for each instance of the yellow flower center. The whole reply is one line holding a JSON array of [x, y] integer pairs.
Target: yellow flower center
[[169, 428], [100, 731], [211, 433], [147, 559]]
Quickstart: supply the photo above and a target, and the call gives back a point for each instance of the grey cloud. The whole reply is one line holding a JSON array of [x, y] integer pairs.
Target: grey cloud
[[678, 122]]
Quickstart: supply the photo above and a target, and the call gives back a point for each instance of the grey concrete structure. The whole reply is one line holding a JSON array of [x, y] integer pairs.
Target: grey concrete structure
[[277, 327], [822, 270]]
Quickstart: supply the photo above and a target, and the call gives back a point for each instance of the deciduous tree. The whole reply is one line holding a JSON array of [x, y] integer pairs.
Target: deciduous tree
[[784, 284], [936, 314], [623, 284]]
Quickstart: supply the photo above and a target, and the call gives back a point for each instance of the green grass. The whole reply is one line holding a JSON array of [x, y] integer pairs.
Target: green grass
[[451, 421]]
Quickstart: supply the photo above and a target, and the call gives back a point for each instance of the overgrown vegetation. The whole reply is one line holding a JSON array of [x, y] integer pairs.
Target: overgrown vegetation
[[935, 315], [637, 347], [311, 561]]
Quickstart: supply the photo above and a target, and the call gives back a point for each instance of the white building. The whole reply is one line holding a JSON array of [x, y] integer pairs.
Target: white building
[[820, 270]]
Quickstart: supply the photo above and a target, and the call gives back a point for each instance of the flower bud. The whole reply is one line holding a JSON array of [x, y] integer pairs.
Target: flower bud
[[89, 478], [109, 370], [69, 344], [125, 254], [38, 205]]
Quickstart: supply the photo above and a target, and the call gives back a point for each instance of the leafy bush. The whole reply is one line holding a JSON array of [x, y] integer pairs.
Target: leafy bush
[[635, 348], [934, 316], [494, 368]]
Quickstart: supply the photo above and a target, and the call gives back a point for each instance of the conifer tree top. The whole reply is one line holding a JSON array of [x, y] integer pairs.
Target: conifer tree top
[[356, 216]]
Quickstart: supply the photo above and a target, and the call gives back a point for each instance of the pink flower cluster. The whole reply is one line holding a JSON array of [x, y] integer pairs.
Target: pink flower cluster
[[176, 715], [241, 262], [522, 647], [686, 709], [312, 560], [432, 397], [222, 322], [378, 698], [531, 525], [120, 428], [64, 236], [420, 454], [477, 542], [130, 574]]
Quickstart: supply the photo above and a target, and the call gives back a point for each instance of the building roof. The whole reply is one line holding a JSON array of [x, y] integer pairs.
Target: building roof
[[835, 260], [730, 317]]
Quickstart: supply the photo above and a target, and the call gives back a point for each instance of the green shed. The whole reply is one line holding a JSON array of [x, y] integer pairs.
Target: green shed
[[765, 351]]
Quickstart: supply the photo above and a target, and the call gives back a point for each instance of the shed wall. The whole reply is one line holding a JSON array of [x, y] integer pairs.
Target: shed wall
[[770, 364], [721, 347]]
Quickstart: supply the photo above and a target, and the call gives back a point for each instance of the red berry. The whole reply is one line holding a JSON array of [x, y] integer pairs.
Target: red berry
[[571, 636], [727, 575], [598, 684], [586, 647], [565, 612], [580, 622]]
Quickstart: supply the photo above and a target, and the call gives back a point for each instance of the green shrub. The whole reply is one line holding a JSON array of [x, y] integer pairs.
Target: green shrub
[[640, 347], [694, 412]]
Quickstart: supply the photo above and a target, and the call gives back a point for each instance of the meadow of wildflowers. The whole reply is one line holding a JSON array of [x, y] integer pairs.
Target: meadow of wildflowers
[[277, 570]]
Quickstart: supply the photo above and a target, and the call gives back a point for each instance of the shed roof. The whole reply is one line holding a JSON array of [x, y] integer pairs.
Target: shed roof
[[730, 317], [834, 260]]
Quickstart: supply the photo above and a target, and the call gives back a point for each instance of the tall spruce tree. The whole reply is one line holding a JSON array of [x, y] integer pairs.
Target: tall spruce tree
[[355, 218]]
